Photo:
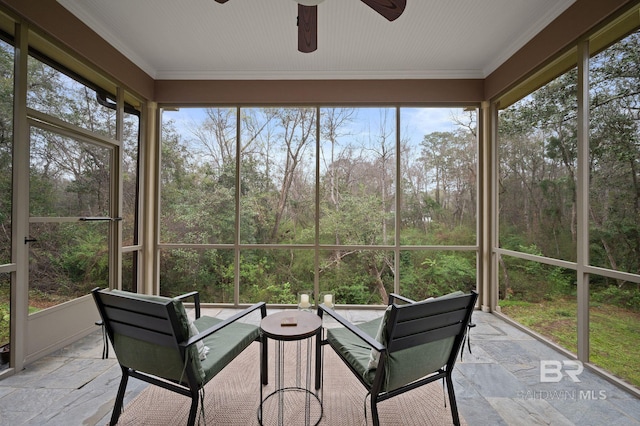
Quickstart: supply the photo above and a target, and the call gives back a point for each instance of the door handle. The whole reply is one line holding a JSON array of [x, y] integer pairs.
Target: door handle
[[94, 219], [29, 240]]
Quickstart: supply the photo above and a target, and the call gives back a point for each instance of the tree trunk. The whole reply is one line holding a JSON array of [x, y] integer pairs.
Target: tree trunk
[[377, 274], [505, 275]]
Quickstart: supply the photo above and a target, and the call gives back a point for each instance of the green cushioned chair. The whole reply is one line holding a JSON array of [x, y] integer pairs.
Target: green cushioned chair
[[412, 344], [154, 341]]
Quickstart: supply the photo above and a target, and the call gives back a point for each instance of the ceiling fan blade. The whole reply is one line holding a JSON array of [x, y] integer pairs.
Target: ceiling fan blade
[[390, 9], [307, 28]]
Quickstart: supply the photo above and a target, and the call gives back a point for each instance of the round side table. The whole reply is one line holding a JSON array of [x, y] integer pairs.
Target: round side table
[[287, 399]]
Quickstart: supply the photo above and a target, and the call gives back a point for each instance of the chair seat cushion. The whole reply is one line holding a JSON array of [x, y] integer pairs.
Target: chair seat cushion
[[355, 351], [224, 345]]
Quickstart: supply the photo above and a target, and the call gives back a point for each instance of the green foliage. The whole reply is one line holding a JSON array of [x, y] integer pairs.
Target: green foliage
[[209, 272], [436, 273], [85, 260], [4, 321], [535, 286], [257, 282], [449, 272], [273, 293], [534, 281], [354, 293], [613, 295]]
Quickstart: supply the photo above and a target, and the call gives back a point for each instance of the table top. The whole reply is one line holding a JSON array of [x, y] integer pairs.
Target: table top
[[306, 325]]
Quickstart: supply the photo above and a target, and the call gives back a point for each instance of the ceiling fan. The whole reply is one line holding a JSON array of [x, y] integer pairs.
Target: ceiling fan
[[308, 18]]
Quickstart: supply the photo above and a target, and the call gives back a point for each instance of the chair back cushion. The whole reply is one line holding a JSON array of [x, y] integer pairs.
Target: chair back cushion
[[147, 342], [421, 339], [401, 367], [405, 366], [380, 336]]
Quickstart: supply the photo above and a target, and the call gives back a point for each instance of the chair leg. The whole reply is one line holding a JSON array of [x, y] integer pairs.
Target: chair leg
[[264, 372], [374, 410], [193, 412], [452, 400], [319, 360], [117, 408]]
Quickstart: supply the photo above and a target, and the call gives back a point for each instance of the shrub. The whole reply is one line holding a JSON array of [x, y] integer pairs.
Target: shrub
[[620, 297]]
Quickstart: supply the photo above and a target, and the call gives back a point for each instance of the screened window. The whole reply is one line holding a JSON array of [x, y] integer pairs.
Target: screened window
[[614, 207], [541, 271], [268, 202], [57, 94], [538, 160]]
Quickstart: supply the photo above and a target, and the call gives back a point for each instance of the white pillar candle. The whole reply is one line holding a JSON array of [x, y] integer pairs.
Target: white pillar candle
[[328, 299], [304, 300]]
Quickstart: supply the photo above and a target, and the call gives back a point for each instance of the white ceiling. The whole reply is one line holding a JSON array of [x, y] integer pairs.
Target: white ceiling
[[257, 39]]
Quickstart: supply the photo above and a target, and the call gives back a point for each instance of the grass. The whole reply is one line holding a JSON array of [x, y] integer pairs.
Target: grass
[[614, 333]]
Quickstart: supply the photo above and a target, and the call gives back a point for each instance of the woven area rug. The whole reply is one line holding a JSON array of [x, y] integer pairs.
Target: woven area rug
[[233, 398]]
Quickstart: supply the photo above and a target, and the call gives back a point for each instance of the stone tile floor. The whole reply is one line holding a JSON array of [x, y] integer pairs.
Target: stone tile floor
[[497, 384]]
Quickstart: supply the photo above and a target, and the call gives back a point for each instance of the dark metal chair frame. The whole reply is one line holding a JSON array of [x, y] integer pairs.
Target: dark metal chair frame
[[408, 325], [157, 323]]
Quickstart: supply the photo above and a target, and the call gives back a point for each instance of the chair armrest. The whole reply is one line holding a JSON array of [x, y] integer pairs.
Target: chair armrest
[[262, 306], [196, 300], [352, 328], [394, 296]]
